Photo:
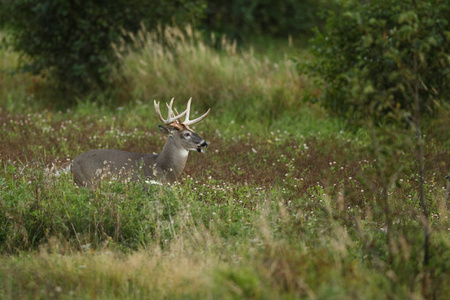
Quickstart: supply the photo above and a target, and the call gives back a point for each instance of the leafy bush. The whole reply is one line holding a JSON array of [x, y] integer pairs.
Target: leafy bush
[[72, 39], [380, 56]]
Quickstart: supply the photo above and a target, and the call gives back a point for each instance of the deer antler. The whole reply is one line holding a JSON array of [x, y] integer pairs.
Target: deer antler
[[174, 120], [171, 118], [188, 122]]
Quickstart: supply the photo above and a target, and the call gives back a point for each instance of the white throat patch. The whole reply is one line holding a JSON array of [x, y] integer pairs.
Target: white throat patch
[[184, 153]]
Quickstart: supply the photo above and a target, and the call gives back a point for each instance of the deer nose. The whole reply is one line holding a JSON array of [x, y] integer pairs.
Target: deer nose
[[204, 144]]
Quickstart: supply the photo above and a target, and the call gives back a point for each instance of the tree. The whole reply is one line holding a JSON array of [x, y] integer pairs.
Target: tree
[[71, 39], [366, 56]]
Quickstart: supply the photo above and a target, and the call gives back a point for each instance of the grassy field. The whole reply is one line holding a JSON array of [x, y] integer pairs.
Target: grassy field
[[287, 202]]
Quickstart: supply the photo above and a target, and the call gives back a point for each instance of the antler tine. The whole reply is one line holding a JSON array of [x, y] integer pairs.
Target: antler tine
[[169, 107], [158, 112], [188, 122], [171, 117], [188, 110]]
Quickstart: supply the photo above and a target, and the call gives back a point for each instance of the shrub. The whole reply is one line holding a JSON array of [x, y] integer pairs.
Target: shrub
[[72, 39], [377, 56]]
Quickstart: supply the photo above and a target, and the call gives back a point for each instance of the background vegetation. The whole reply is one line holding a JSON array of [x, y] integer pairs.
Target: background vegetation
[[72, 39], [376, 56], [239, 18], [288, 202]]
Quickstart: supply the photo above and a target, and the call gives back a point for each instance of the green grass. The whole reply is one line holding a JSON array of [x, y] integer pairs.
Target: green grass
[[285, 204]]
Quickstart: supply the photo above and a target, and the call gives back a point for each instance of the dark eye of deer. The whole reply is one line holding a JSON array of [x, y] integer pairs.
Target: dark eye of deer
[[187, 134]]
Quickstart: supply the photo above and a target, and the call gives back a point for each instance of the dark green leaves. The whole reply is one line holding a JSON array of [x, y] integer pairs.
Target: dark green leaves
[[72, 39], [372, 53]]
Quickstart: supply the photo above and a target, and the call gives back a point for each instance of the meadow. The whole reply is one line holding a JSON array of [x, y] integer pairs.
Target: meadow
[[288, 202]]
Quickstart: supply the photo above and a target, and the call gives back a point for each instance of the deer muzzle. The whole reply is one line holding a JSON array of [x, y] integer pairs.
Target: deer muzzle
[[202, 145]]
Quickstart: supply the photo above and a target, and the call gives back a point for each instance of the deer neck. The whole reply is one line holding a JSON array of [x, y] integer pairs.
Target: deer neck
[[172, 160]]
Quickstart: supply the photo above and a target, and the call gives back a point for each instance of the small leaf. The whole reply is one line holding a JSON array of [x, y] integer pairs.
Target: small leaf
[[368, 89], [408, 17], [432, 41]]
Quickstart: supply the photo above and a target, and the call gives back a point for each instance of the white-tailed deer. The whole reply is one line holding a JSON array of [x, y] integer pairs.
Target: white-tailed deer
[[105, 164]]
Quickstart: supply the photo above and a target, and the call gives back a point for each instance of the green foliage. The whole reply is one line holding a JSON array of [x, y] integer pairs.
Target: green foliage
[[38, 203], [277, 18], [245, 240], [375, 56], [72, 39]]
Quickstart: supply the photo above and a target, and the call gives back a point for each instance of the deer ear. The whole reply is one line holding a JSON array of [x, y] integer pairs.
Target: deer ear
[[164, 130]]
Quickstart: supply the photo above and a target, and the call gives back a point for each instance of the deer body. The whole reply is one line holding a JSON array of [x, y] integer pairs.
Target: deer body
[[91, 167], [102, 164]]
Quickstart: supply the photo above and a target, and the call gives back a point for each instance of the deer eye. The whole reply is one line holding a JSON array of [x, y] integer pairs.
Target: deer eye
[[187, 134]]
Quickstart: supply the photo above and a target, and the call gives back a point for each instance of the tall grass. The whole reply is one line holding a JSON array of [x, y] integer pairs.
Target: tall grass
[[177, 63], [203, 239], [13, 84]]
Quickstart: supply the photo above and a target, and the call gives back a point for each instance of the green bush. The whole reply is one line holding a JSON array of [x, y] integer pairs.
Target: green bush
[[375, 57], [72, 39]]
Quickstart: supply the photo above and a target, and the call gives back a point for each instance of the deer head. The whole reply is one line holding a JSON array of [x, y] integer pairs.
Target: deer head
[[179, 130]]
